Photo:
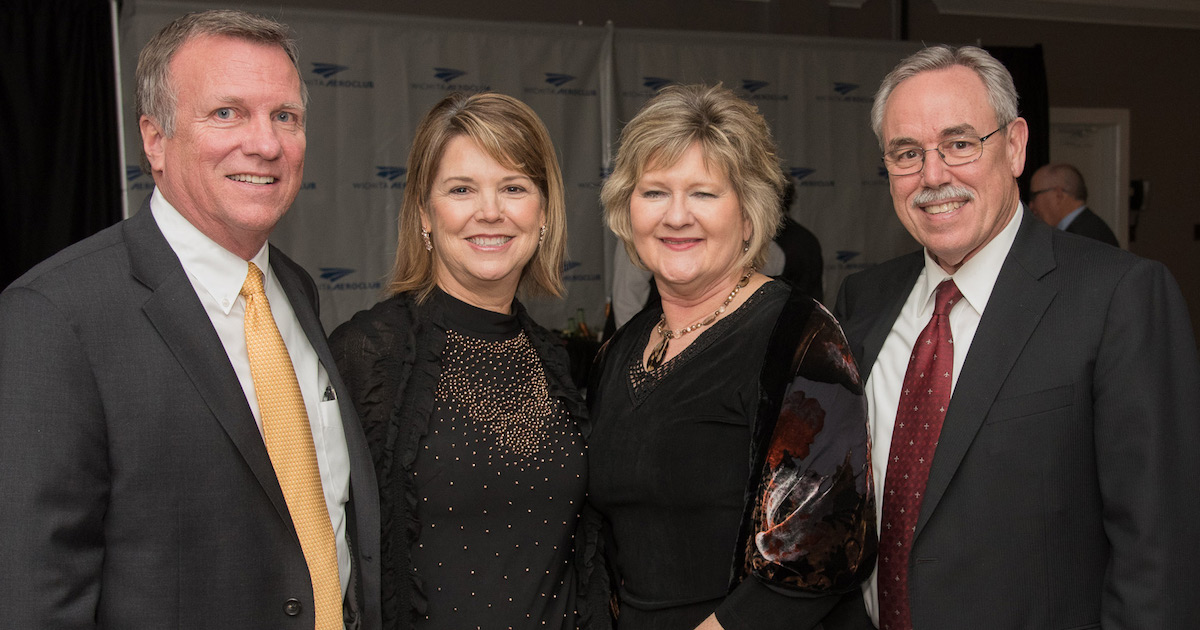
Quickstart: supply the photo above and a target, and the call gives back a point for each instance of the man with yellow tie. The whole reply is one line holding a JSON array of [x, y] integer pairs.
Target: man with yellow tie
[[176, 447]]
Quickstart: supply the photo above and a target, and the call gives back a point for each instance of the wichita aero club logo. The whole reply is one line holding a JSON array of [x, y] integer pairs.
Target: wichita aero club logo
[[332, 275], [844, 256], [750, 85], [652, 85], [881, 176], [392, 176], [841, 94], [137, 178], [326, 72], [751, 88], [656, 83], [568, 265], [558, 80], [445, 82], [605, 171], [801, 175], [390, 173], [447, 74]]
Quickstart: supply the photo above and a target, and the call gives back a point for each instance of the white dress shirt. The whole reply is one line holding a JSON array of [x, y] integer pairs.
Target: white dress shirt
[[975, 279], [217, 276]]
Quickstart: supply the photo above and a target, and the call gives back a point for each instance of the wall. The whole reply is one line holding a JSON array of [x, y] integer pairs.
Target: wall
[[1087, 65]]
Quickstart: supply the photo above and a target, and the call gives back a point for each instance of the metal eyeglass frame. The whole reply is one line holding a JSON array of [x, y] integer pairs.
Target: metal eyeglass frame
[[938, 148]]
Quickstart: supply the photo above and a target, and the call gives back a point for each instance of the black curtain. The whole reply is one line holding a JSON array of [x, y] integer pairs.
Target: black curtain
[[1028, 69], [60, 172]]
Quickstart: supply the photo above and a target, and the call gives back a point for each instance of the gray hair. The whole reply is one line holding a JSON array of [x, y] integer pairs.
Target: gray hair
[[1002, 94], [156, 97]]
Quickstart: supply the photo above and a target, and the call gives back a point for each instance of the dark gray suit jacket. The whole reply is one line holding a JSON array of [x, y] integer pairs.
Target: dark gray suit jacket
[[1062, 492], [1089, 224], [135, 489]]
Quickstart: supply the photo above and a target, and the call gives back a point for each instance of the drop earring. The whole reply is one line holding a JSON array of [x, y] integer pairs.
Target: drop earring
[[425, 237], [541, 234]]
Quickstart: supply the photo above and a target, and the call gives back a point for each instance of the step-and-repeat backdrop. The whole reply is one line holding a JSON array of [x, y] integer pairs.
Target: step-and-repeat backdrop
[[372, 77]]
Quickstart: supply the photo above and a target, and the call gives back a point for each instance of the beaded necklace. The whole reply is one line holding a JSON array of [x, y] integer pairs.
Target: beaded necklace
[[660, 351]]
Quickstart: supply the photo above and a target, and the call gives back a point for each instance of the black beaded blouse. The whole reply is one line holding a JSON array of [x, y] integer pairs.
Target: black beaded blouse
[[476, 433], [501, 476]]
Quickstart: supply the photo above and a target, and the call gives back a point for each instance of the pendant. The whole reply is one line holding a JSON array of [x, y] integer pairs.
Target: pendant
[[658, 353]]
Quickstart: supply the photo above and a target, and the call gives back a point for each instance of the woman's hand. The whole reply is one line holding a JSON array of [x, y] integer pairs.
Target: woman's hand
[[711, 623]]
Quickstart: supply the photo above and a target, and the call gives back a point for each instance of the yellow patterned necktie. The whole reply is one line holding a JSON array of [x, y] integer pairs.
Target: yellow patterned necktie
[[288, 436]]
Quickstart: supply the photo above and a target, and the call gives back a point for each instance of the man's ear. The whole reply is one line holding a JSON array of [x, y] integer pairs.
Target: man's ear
[[1017, 136], [152, 142]]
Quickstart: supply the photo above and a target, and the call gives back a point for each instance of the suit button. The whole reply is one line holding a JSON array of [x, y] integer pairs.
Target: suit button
[[292, 607]]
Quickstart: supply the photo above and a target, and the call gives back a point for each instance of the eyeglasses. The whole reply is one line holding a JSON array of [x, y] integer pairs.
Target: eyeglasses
[[954, 151]]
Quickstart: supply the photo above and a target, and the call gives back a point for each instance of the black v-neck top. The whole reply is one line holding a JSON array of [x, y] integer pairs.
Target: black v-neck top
[[670, 461]]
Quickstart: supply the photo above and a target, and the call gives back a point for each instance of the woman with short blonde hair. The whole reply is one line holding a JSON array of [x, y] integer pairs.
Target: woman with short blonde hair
[[728, 453]]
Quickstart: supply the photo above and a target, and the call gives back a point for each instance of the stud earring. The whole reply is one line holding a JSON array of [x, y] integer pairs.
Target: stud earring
[[541, 234], [745, 246], [425, 237]]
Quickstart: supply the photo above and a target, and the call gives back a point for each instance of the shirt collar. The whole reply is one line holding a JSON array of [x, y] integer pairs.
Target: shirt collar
[[976, 277], [219, 271], [1062, 225]]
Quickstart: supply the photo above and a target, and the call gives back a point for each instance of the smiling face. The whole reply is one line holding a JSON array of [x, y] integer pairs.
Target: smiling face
[[952, 210], [483, 219], [233, 165], [688, 227]]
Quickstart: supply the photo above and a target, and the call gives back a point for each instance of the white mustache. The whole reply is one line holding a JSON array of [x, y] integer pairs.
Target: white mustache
[[934, 195]]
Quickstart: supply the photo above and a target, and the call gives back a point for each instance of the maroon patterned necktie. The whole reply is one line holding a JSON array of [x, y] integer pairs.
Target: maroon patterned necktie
[[923, 401]]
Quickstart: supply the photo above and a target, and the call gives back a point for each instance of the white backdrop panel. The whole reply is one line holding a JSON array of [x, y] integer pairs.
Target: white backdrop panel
[[372, 77]]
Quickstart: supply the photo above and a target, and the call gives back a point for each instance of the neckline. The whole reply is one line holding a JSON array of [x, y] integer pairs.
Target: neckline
[[469, 319], [643, 382]]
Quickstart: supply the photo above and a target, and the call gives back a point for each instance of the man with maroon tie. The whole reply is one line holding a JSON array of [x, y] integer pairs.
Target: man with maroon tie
[[1033, 397]]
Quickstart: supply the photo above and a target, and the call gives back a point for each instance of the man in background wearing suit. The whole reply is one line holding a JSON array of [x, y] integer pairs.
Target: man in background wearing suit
[[1058, 196], [177, 448], [1034, 418]]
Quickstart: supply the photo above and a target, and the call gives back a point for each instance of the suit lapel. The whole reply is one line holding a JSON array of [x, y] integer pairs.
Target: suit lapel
[[890, 300], [1014, 309], [176, 313]]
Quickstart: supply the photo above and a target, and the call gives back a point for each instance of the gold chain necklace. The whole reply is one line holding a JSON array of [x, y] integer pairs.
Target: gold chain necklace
[[656, 355]]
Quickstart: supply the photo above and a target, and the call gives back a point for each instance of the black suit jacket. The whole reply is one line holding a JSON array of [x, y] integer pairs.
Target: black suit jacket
[[1089, 224], [135, 488], [1062, 491]]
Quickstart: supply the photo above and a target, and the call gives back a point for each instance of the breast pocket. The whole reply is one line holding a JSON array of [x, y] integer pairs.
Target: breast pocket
[[1031, 404]]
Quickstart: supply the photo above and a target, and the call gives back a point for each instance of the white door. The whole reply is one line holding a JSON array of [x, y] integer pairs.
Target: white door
[[1096, 141]]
